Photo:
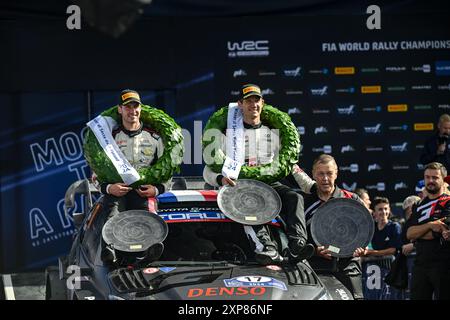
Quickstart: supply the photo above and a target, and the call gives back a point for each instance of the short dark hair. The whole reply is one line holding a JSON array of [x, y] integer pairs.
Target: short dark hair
[[377, 200], [437, 166]]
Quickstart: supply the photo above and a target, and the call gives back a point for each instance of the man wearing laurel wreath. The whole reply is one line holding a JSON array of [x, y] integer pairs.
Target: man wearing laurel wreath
[[257, 146], [142, 147]]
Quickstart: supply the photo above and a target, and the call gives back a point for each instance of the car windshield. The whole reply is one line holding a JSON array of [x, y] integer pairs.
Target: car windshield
[[206, 241]]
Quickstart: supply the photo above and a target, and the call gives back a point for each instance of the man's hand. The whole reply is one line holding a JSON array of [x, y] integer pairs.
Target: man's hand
[[323, 252], [147, 191], [438, 225], [441, 148], [360, 252], [407, 248], [228, 181], [446, 235], [119, 189]]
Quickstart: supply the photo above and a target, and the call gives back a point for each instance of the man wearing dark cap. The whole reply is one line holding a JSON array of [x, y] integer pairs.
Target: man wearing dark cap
[[142, 147], [260, 149]]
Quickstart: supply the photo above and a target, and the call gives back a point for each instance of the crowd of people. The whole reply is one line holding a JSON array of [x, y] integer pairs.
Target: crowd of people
[[424, 231]]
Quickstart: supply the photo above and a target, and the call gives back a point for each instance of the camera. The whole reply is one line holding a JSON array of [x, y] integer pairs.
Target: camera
[[442, 139]]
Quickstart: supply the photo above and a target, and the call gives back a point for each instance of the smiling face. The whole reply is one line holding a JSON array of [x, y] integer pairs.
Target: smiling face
[[130, 115], [251, 109], [325, 175], [381, 212]]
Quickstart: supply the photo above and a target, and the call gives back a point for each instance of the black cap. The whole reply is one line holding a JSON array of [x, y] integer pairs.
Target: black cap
[[127, 96], [249, 90]]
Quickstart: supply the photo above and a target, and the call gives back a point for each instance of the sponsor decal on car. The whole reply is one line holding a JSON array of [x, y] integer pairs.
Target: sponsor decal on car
[[150, 270], [255, 281], [167, 269], [223, 291], [272, 266]]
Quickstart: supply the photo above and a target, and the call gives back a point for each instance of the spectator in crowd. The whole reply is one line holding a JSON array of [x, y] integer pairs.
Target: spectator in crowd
[[431, 275], [386, 238], [407, 205], [363, 194], [436, 148]]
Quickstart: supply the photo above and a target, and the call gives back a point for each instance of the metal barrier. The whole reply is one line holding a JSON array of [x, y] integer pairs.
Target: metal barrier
[[374, 269]]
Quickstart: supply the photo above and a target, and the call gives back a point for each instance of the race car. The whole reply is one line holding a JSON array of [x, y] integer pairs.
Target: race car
[[204, 255]]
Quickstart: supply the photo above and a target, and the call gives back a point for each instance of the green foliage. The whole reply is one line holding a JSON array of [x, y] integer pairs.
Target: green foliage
[[161, 171], [287, 157]]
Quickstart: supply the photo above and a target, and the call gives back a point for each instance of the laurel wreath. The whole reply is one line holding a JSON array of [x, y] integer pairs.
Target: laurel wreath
[[165, 166], [288, 154]]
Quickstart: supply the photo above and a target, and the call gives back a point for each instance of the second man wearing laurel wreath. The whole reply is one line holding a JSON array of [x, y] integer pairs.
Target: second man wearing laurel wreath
[[260, 149]]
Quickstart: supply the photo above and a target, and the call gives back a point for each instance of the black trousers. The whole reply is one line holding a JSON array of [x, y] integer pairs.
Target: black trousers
[[131, 201], [347, 270], [427, 280], [292, 213]]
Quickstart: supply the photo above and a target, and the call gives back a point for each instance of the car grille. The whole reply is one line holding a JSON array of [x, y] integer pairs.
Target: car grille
[[128, 280], [300, 274]]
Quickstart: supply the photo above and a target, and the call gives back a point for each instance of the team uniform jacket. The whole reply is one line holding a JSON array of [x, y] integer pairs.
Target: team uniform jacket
[[261, 146], [142, 148], [435, 251]]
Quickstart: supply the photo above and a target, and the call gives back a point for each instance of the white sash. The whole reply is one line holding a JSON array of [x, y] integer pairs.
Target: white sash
[[102, 128], [235, 142]]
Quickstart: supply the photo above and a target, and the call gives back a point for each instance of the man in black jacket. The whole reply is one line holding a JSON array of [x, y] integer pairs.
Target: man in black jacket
[[436, 148], [431, 272], [346, 270]]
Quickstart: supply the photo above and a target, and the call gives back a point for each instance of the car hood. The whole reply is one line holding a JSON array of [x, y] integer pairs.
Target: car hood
[[218, 282]]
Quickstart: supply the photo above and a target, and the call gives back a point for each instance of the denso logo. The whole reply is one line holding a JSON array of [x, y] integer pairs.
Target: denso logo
[[223, 291], [321, 129], [374, 129], [320, 92], [347, 148], [239, 73], [373, 167], [293, 72], [346, 110], [294, 111], [399, 147], [248, 48], [400, 185]]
